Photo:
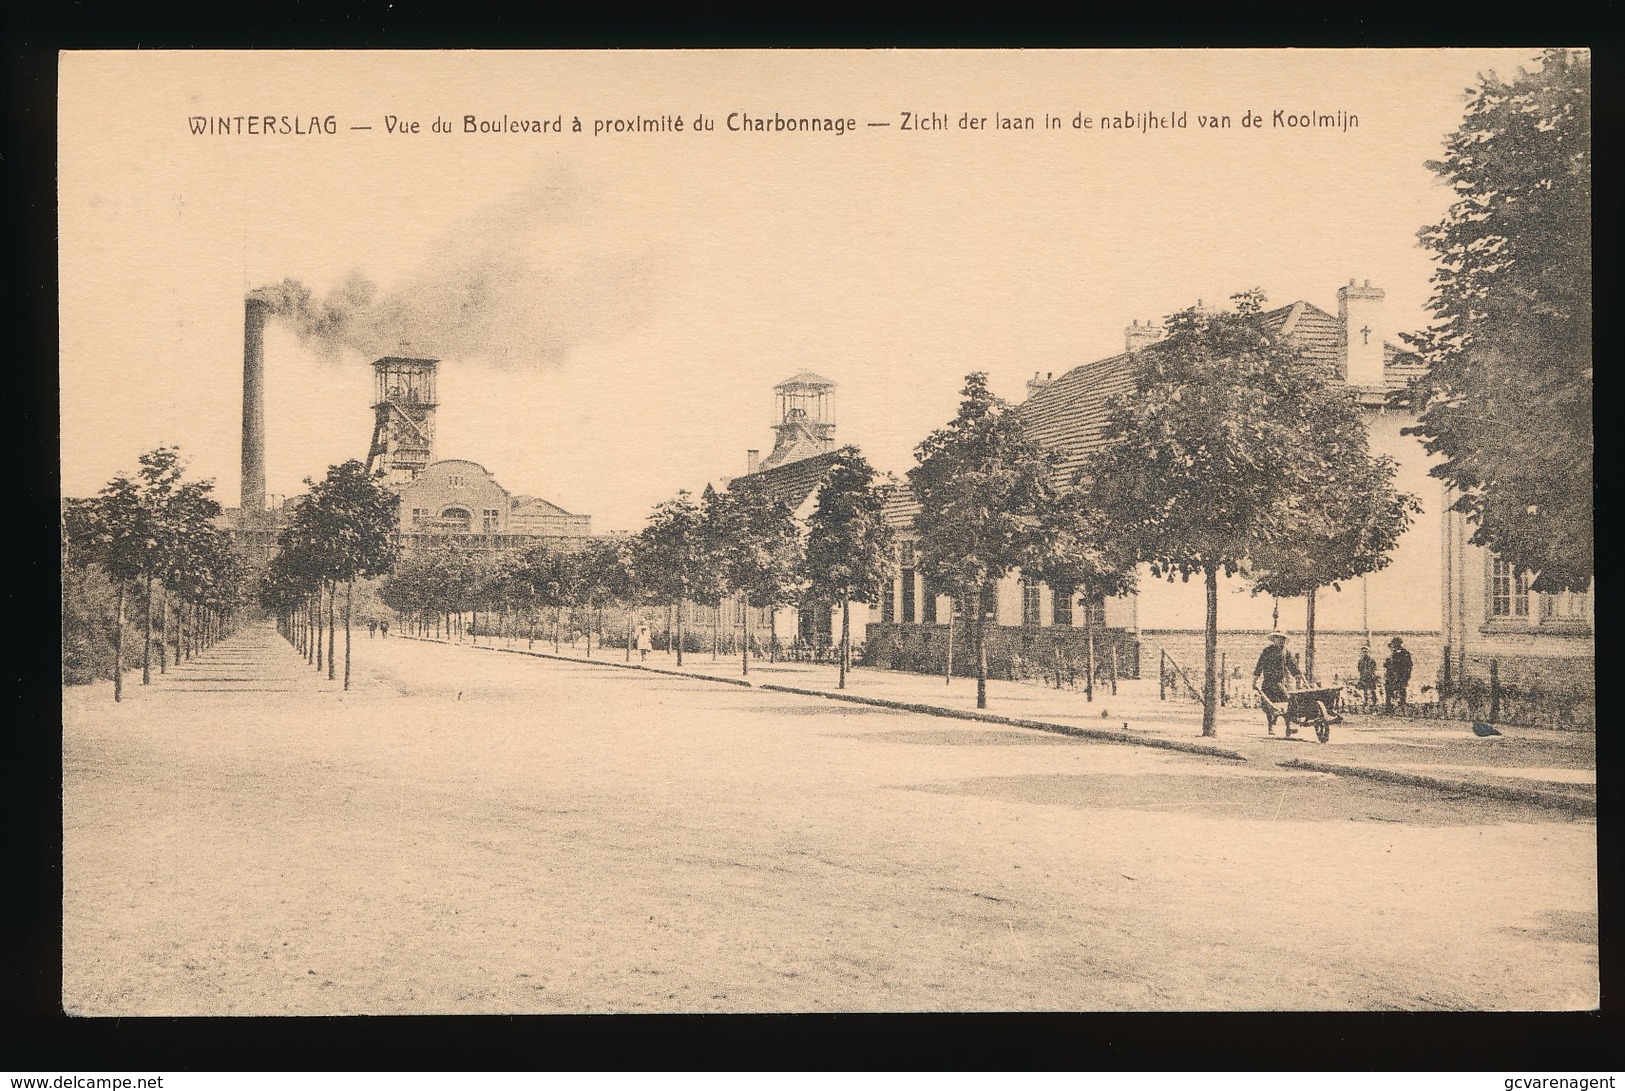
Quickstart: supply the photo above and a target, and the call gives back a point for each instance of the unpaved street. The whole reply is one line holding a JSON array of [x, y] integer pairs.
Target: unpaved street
[[473, 831]]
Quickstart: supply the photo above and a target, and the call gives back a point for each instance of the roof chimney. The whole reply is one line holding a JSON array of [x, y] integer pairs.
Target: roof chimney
[[1359, 311], [1136, 337], [753, 460], [1035, 384]]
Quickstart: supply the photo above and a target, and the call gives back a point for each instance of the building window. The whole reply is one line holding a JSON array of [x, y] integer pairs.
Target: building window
[[488, 520], [1061, 605], [1031, 601], [1509, 591], [1565, 606], [418, 515], [928, 603], [454, 479], [888, 603]]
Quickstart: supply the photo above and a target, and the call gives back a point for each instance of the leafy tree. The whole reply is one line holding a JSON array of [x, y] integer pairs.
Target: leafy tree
[[719, 526], [348, 522], [1507, 398], [110, 530], [849, 544], [1204, 454], [1082, 555], [144, 530], [601, 578], [986, 496], [759, 547], [671, 555], [1344, 524]]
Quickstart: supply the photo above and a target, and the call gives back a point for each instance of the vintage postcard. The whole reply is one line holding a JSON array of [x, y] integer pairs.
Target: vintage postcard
[[827, 531]]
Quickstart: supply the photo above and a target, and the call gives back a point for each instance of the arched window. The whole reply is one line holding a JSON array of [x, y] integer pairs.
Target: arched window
[[458, 518]]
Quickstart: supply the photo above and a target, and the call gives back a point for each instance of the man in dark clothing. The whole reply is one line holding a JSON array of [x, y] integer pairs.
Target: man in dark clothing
[[1396, 674], [1367, 670], [1269, 678]]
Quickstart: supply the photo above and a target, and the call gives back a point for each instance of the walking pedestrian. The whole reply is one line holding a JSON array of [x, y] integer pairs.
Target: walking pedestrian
[[372, 627], [383, 628], [1367, 671], [1396, 675], [645, 641]]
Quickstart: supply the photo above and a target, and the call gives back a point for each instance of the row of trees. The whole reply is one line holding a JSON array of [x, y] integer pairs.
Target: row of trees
[[433, 589], [1231, 454], [154, 537], [342, 530], [738, 545]]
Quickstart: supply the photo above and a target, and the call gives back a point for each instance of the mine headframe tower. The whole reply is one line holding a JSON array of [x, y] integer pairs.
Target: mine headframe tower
[[403, 421]]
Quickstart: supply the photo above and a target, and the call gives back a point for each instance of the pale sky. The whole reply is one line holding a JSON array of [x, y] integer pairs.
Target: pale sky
[[652, 287]]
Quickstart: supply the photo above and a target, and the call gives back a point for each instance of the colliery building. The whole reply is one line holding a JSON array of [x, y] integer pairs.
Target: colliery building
[[450, 501]]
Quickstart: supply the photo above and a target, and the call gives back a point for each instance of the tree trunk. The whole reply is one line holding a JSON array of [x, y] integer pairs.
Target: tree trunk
[[679, 632], [332, 593], [1210, 642], [1309, 637], [163, 623], [318, 602], [744, 630], [1089, 629], [349, 593], [716, 632], [118, 645], [846, 639], [981, 648], [146, 649], [948, 672], [558, 612]]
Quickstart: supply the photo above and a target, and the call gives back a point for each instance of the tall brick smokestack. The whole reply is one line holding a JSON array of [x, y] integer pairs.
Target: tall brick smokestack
[[253, 492]]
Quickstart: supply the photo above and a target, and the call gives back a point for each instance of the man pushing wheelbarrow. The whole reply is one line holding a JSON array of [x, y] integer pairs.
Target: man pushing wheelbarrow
[[1302, 705]]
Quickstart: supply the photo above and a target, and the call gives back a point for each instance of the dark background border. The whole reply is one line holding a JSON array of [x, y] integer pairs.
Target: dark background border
[[46, 1041]]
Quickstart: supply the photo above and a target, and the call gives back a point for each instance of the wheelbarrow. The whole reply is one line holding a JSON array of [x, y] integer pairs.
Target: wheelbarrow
[[1316, 708]]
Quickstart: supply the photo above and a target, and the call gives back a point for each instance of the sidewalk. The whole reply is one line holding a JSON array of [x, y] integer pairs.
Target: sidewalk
[[1532, 765]]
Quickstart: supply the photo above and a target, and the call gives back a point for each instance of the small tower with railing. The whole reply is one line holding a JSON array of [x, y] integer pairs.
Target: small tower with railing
[[403, 422], [805, 424]]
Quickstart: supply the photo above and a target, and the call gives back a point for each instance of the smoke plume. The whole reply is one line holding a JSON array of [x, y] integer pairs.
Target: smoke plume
[[520, 284]]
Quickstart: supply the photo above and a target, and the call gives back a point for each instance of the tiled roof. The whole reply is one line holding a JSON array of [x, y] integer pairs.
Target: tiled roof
[[899, 506], [1400, 366], [1068, 414], [791, 482], [536, 505]]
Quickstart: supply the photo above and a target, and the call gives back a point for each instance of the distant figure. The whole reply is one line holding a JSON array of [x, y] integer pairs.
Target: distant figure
[[1275, 665], [1368, 678], [383, 628], [372, 627], [1396, 674], [645, 641]]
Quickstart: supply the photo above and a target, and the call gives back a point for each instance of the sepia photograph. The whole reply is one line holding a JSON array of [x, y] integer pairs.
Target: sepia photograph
[[826, 531]]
